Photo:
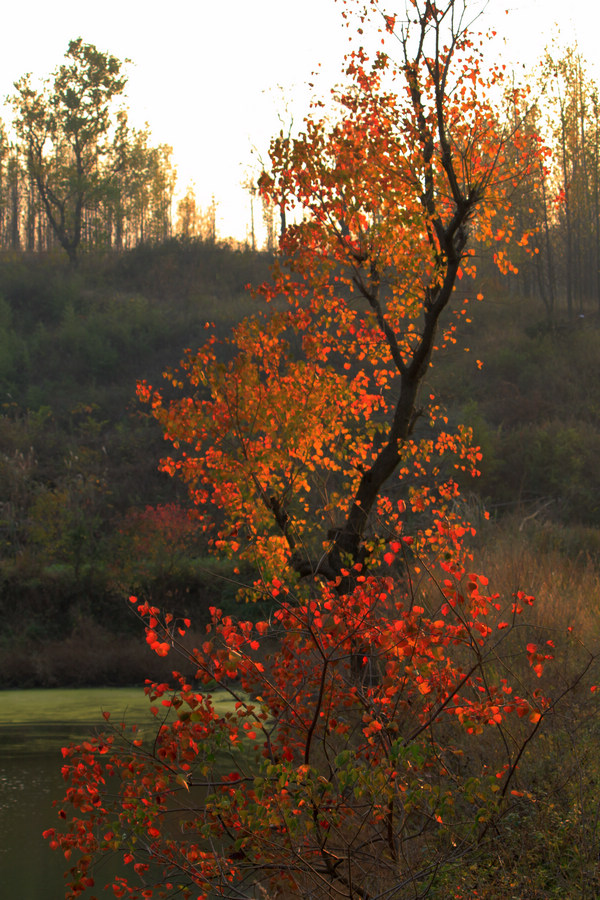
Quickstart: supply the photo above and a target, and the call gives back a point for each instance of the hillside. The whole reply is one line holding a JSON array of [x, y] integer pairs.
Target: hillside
[[78, 457]]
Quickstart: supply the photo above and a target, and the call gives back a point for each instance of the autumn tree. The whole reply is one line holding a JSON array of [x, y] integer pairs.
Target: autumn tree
[[377, 725], [392, 192]]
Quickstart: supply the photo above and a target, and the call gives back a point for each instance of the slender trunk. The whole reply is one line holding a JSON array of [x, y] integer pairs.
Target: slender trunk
[[568, 225]]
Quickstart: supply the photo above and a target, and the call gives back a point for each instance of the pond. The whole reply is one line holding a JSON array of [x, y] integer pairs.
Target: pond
[[34, 725]]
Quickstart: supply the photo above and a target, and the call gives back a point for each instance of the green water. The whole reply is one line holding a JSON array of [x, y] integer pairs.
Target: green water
[[34, 725]]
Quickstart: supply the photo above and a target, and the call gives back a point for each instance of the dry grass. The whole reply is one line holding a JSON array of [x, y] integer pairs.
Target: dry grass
[[566, 586]]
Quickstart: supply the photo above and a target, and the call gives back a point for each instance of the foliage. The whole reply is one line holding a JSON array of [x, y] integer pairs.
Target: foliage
[[527, 395], [325, 761], [384, 711], [321, 403], [75, 456]]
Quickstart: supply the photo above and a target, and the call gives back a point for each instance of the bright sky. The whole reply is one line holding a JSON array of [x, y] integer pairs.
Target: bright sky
[[211, 76]]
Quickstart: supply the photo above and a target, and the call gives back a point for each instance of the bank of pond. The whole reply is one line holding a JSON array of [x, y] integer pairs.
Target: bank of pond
[[34, 725]]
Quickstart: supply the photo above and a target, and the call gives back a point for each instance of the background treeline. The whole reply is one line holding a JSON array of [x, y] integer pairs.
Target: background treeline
[[74, 174], [136, 206], [559, 198]]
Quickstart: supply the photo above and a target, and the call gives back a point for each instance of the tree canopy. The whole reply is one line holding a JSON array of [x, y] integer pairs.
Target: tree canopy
[[320, 404]]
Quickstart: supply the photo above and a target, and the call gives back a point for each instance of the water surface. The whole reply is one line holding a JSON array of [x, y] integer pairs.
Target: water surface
[[34, 725]]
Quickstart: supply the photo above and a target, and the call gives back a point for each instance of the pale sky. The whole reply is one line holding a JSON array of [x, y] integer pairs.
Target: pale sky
[[211, 76]]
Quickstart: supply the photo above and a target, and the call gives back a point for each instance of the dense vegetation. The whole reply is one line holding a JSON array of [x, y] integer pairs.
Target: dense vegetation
[[78, 455]]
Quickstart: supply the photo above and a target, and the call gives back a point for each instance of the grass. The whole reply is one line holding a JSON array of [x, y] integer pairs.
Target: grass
[[42, 721], [563, 576], [72, 705]]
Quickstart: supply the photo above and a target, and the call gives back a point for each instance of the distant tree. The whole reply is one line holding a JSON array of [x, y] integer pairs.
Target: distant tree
[[249, 185], [160, 187], [195, 222], [65, 131], [208, 228], [139, 202], [188, 215], [15, 187], [268, 211], [533, 206], [570, 217], [4, 152]]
